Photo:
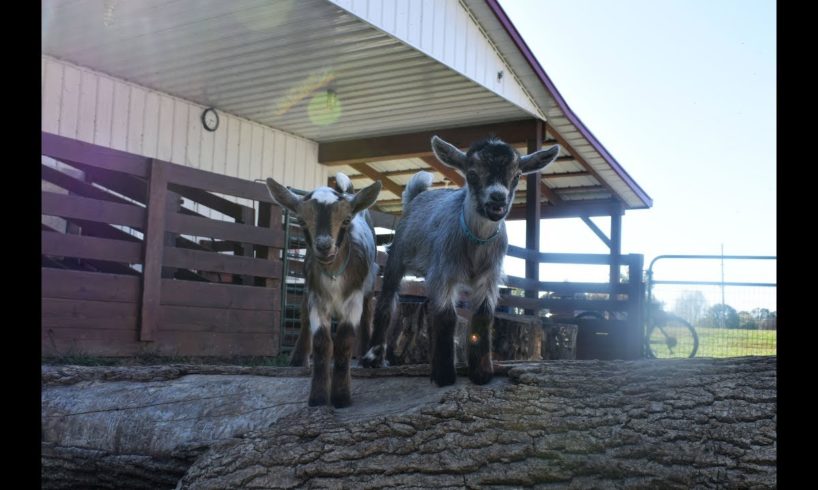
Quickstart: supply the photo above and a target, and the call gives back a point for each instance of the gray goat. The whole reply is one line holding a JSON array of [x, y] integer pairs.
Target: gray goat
[[456, 239], [340, 272]]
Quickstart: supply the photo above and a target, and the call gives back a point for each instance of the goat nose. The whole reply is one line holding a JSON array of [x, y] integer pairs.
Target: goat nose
[[498, 196], [323, 244]]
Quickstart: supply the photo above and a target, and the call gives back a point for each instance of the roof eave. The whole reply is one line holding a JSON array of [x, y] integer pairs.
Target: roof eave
[[501, 16]]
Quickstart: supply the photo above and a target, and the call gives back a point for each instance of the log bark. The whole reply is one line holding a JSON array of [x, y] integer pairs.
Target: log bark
[[691, 423]]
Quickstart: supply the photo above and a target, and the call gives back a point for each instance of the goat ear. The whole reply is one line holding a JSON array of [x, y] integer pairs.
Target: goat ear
[[538, 160], [449, 154], [366, 197], [283, 196]]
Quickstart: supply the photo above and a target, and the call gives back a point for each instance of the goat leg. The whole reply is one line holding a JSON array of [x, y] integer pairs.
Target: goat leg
[[341, 379], [442, 327], [321, 354]]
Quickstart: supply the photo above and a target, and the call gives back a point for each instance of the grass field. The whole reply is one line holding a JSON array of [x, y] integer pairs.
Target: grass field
[[731, 342], [713, 342]]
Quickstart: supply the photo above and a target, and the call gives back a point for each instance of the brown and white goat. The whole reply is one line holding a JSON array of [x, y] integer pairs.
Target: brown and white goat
[[340, 272]]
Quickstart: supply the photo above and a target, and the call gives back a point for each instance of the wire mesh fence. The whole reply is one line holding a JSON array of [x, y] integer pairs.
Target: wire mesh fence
[[729, 301]]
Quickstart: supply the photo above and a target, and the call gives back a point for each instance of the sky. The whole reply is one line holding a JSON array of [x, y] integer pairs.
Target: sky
[[682, 94]]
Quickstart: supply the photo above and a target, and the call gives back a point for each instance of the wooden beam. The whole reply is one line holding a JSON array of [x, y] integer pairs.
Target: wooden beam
[[418, 144], [549, 194], [533, 206], [154, 250], [580, 173], [569, 209], [564, 143], [375, 175], [448, 172], [597, 231], [616, 246]]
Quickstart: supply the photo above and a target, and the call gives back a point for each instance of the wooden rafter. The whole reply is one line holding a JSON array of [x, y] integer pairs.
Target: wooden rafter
[[448, 172], [562, 141], [373, 174], [561, 175], [418, 144], [391, 173]]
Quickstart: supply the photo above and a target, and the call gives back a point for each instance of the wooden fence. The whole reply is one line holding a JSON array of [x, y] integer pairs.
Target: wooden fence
[[126, 275], [130, 267]]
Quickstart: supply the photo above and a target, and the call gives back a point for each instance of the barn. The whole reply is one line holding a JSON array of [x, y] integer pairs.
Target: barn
[[159, 117]]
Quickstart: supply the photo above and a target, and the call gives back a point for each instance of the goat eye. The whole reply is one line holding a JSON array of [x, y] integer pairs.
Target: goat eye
[[515, 180], [347, 220]]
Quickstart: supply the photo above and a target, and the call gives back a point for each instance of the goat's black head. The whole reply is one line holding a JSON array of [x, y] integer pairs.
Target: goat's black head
[[492, 170], [325, 214]]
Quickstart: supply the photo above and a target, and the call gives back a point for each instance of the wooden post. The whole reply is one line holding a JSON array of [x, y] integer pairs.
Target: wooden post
[[636, 307], [248, 218], [269, 216], [174, 202], [616, 244], [154, 250], [533, 215]]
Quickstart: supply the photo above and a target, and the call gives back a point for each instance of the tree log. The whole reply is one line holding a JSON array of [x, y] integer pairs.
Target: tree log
[[702, 423]]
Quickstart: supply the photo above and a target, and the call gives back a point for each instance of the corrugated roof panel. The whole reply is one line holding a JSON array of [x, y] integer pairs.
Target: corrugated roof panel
[[306, 67]]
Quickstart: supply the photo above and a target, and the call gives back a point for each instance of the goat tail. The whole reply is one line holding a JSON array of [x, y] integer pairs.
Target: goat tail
[[417, 184]]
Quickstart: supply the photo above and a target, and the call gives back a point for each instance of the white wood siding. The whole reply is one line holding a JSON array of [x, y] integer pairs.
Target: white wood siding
[[93, 107], [445, 31]]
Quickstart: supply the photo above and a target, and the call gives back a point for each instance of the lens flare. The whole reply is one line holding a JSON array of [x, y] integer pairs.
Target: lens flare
[[324, 108]]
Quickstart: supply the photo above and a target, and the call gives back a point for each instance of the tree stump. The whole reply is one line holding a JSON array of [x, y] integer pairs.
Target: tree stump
[[517, 338], [560, 341], [407, 338]]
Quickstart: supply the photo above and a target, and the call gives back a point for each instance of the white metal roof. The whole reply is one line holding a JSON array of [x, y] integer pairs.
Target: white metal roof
[[331, 70], [269, 61]]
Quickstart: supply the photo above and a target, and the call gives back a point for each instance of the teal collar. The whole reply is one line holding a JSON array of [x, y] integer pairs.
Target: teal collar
[[336, 274], [472, 238]]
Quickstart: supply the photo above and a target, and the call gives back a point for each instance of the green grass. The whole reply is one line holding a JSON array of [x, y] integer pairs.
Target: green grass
[[732, 342]]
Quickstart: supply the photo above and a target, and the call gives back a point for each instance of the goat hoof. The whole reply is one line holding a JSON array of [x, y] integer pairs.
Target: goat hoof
[[317, 401], [444, 377], [341, 401], [480, 377]]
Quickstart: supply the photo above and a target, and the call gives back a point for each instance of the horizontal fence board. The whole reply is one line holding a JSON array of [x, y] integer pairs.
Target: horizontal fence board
[[183, 343], [101, 230], [62, 148], [189, 293], [129, 186], [215, 262], [76, 313], [76, 186], [562, 258], [563, 304], [66, 206], [204, 227], [201, 319], [81, 285], [223, 184], [209, 200], [84, 247], [567, 287], [69, 341]]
